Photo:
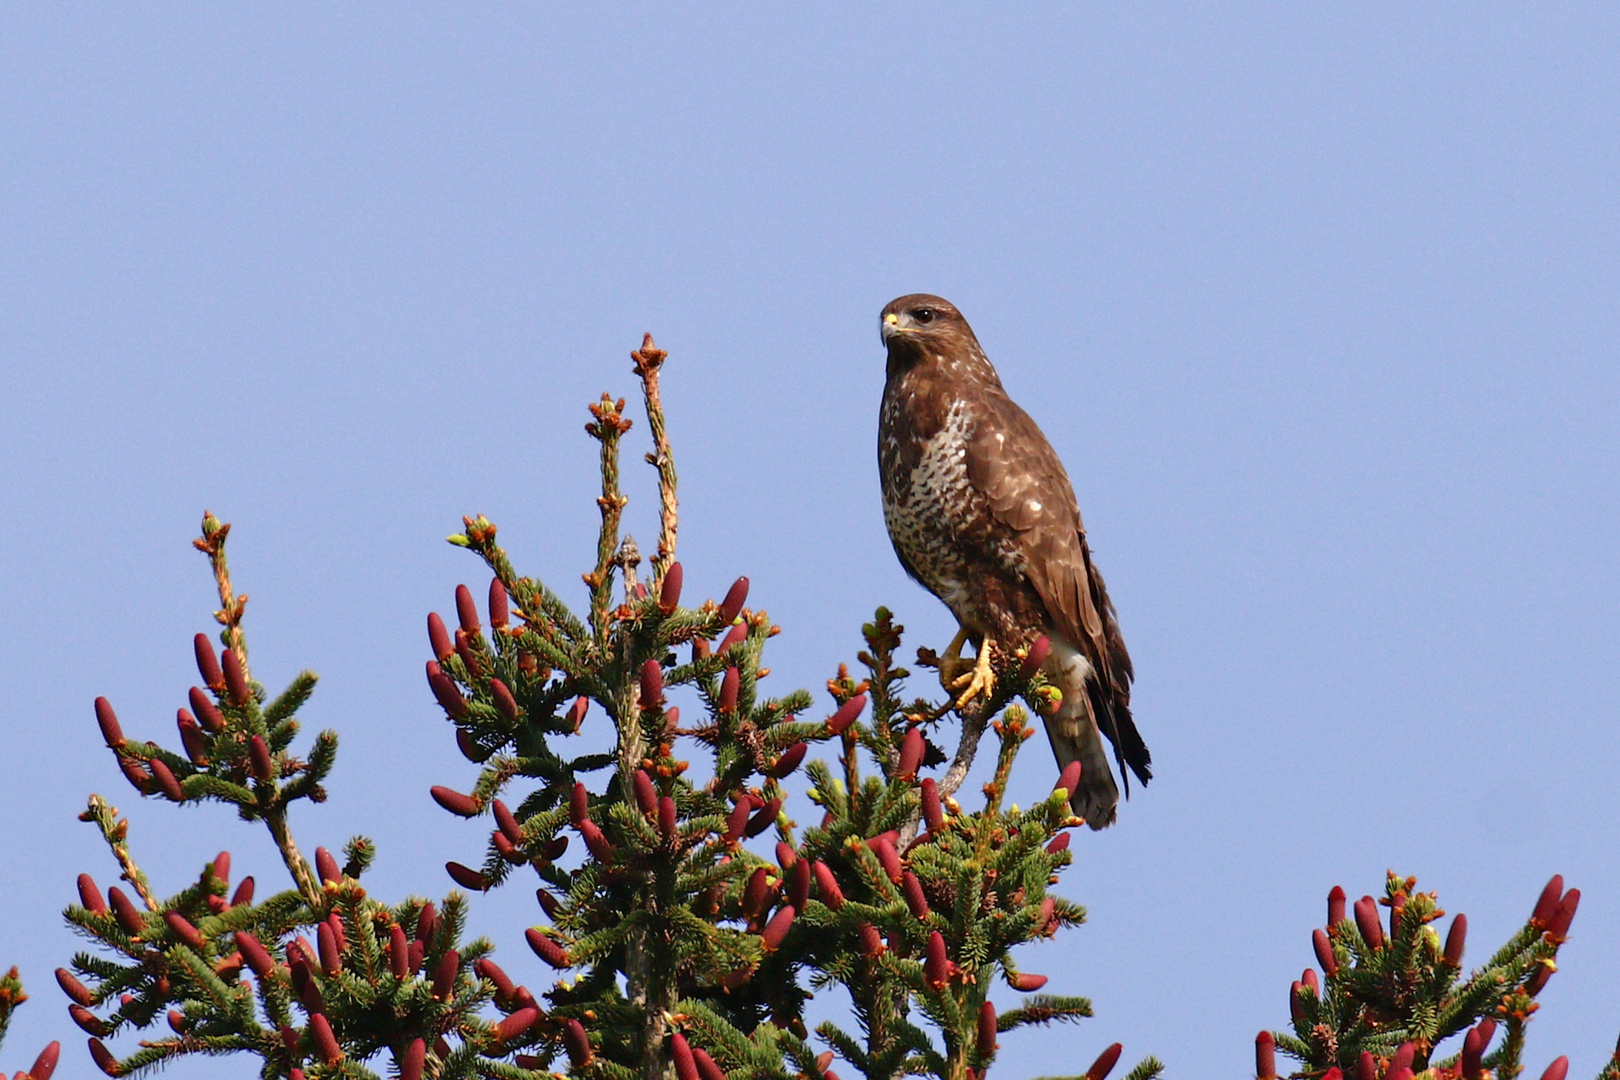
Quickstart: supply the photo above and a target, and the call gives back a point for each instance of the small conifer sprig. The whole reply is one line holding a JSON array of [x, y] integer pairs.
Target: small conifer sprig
[[11, 996], [690, 948], [1389, 995], [315, 980]]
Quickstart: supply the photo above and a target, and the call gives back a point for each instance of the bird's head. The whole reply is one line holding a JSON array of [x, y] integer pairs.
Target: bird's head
[[926, 324]]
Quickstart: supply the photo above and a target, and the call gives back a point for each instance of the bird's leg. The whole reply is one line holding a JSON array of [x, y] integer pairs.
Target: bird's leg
[[981, 680], [950, 662]]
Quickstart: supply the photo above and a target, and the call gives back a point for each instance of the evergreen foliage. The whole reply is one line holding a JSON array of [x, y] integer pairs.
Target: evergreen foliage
[[1389, 996], [696, 917]]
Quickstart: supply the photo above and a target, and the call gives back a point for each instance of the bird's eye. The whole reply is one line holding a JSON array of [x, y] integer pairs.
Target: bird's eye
[[923, 315]]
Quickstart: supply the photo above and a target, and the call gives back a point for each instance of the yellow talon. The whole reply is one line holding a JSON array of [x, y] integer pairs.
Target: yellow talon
[[980, 681]]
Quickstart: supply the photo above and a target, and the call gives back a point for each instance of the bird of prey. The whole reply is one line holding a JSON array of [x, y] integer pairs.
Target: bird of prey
[[982, 514]]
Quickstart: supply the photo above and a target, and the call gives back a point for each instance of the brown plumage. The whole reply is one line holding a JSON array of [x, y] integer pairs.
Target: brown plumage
[[983, 515]]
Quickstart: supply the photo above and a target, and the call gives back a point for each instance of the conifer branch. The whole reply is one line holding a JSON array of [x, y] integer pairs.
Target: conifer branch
[[231, 605], [115, 831], [649, 360]]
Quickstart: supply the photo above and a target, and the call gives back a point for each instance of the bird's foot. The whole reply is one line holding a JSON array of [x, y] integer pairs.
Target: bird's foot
[[949, 663], [981, 680]]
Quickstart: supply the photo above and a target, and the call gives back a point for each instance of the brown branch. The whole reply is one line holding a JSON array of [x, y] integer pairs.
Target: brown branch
[[115, 832], [649, 360], [607, 428]]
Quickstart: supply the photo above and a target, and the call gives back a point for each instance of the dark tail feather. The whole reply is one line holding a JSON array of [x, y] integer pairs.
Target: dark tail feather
[[1114, 718]]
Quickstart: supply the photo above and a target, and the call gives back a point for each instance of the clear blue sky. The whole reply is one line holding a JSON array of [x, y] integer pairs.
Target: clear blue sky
[[1317, 303]]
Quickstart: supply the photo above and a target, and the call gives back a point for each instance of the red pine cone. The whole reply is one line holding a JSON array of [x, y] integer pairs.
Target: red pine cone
[[1038, 652], [181, 927], [259, 758], [438, 637], [1557, 926], [499, 609], [911, 755], [579, 805], [399, 952], [840, 721], [763, 817], [1265, 1056], [411, 1065], [987, 1030], [326, 867], [734, 637], [104, 1059], [138, 777], [466, 610], [90, 896], [1060, 843], [667, 822], [444, 975], [547, 949], [1069, 779], [455, 802], [125, 912], [325, 1042], [1324, 952], [444, 689], [45, 1065], [207, 712], [933, 810], [596, 841], [257, 956], [1106, 1060], [681, 1052], [208, 663], [911, 889], [652, 685], [1372, 931], [87, 1020], [669, 592], [732, 605], [192, 738], [166, 781], [737, 820], [577, 1043], [871, 941], [1455, 939], [827, 886], [936, 965], [243, 893], [777, 928], [1366, 1067], [111, 731], [466, 876], [73, 988], [789, 760], [326, 944], [507, 822], [730, 682], [489, 969], [1336, 900], [1558, 1070], [504, 701], [883, 848], [646, 794], [236, 684], [707, 1069], [799, 884], [1547, 903]]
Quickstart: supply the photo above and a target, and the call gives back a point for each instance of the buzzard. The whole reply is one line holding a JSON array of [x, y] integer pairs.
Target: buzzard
[[983, 515]]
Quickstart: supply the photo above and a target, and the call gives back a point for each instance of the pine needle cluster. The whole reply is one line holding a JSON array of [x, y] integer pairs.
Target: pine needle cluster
[[1391, 992]]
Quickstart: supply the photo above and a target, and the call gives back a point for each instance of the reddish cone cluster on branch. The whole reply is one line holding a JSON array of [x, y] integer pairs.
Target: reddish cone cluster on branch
[[1392, 1001]]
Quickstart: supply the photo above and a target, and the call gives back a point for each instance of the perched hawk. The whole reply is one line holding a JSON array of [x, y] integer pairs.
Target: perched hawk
[[983, 515]]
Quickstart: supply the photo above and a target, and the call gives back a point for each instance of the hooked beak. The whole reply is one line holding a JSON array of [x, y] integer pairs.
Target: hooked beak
[[891, 327]]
